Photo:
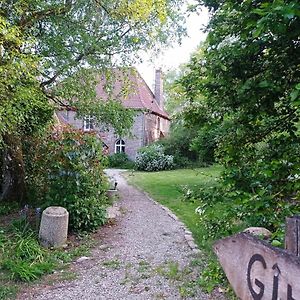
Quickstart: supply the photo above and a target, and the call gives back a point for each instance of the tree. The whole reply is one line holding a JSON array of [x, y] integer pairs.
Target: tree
[[50, 52], [195, 128], [250, 76]]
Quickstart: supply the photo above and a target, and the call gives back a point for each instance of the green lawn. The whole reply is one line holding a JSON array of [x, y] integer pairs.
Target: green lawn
[[166, 188]]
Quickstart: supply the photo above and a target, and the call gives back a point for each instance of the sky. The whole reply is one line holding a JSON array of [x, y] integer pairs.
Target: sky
[[175, 55]]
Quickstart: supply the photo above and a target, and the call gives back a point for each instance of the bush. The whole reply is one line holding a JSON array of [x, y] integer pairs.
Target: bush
[[120, 160], [66, 170], [87, 214], [223, 211], [152, 158], [178, 145]]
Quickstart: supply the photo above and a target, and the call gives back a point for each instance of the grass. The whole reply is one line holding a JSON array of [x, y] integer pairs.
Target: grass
[[23, 261], [166, 187], [113, 264]]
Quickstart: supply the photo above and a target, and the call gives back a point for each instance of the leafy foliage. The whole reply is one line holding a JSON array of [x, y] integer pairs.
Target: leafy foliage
[[152, 158], [50, 53], [177, 144], [23, 105], [248, 76], [246, 79], [120, 160], [73, 40], [87, 214], [195, 130], [67, 170], [21, 255], [251, 94]]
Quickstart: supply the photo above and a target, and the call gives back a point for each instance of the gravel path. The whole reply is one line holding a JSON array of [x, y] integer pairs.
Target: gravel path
[[145, 255]]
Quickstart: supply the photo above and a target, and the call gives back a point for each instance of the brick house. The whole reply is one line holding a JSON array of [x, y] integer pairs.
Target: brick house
[[150, 123]]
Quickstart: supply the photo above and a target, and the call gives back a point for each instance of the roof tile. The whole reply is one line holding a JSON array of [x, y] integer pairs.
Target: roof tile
[[130, 88]]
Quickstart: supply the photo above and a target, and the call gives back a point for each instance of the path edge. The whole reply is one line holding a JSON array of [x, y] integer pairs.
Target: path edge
[[188, 236]]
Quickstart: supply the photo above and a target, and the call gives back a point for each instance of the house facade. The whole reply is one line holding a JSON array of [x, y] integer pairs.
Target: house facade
[[151, 121]]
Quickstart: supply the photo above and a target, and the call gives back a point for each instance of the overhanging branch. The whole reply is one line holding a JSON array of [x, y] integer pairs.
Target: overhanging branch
[[35, 16]]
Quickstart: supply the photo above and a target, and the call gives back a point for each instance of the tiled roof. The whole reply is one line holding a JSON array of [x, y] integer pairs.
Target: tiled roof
[[132, 90]]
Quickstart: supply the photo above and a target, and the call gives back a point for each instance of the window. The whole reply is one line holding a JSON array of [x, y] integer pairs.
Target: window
[[88, 123], [120, 146]]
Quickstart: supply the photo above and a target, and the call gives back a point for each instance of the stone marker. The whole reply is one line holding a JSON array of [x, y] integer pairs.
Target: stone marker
[[258, 271], [54, 227], [113, 212], [259, 232]]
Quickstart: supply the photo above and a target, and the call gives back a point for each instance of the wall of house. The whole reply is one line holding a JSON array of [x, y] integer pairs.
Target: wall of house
[[70, 118], [156, 127], [132, 142], [147, 128]]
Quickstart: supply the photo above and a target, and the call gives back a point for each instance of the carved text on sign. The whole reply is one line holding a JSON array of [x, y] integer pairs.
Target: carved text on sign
[[258, 271], [259, 295]]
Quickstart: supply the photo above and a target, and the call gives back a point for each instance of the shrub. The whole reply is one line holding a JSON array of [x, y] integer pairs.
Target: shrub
[[67, 170], [191, 146], [223, 211], [152, 158], [178, 145], [87, 214], [120, 160]]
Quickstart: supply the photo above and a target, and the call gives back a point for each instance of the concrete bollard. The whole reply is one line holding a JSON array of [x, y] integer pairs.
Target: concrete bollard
[[54, 227]]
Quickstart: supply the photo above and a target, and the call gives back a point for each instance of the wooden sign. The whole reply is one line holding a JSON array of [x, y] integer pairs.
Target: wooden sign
[[256, 270]]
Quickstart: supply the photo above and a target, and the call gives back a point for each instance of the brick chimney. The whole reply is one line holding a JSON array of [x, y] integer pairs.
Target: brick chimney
[[159, 88]]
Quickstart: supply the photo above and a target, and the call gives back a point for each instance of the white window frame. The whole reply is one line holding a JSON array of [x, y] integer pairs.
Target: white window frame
[[120, 146], [88, 123]]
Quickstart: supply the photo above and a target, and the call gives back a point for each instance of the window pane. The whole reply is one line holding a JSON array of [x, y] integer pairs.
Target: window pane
[[120, 146]]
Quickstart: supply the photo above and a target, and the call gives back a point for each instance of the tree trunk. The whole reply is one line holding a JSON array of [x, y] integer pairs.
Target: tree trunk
[[13, 173]]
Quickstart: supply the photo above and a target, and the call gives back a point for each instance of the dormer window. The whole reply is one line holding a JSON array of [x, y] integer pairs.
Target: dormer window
[[88, 123]]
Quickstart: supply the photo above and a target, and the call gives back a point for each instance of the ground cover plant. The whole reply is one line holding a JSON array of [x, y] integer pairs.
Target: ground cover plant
[[23, 260]]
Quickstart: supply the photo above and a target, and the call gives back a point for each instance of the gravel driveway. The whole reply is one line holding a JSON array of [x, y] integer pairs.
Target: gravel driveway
[[145, 255]]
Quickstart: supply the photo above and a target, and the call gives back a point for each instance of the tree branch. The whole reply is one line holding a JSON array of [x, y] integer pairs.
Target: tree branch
[[60, 72], [56, 100], [51, 11]]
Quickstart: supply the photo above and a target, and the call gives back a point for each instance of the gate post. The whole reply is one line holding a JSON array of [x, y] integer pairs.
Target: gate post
[[292, 235]]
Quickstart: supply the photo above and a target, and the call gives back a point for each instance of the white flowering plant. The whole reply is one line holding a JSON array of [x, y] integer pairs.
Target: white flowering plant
[[152, 158]]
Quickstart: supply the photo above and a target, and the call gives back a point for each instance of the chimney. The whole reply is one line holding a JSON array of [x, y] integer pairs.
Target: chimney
[[159, 88]]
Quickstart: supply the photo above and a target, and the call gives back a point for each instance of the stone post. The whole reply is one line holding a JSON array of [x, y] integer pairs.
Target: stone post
[[292, 235], [54, 227]]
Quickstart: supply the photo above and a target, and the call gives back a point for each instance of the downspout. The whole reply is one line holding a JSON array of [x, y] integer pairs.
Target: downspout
[[144, 129]]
